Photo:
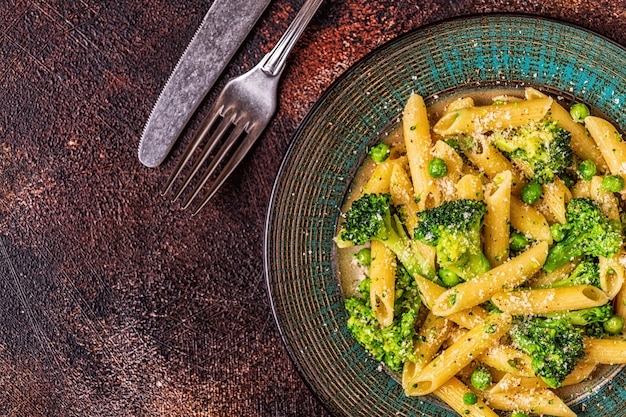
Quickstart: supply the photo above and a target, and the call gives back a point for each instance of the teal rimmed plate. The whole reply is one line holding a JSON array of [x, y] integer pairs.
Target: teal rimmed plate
[[435, 61]]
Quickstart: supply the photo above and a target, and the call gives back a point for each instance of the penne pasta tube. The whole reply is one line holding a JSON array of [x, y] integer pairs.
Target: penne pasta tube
[[529, 221], [507, 359], [611, 275], [546, 278], [582, 145], [460, 103], [453, 160], [429, 290], [490, 160], [496, 229], [468, 318], [549, 300], [555, 196], [511, 382], [609, 142], [459, 355], [433, 333], [476, 291], [470, 187], [582, 189], [452, 392], [378, 182], [535, 401], [605, 351], [418, 147], [482, 119], [383, 282], [402, 195], [606, 200]]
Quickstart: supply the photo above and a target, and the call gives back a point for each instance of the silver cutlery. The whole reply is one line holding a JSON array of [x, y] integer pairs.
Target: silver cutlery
[[225, 26], [236, 120]]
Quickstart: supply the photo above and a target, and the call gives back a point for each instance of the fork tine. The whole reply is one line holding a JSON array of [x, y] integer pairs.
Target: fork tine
[[228, 169], [212, 142], [198, 136], [238, 130]]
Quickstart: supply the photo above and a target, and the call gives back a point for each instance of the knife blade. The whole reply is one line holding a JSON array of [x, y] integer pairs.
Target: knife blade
[[224, 28]]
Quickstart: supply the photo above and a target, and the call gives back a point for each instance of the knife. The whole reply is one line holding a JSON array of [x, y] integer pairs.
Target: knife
[[224, 28]]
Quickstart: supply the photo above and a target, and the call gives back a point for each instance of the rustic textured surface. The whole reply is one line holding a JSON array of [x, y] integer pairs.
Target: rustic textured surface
[[113, 302]]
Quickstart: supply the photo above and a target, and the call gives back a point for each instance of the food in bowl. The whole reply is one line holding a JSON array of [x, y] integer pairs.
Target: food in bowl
[[481, 251]]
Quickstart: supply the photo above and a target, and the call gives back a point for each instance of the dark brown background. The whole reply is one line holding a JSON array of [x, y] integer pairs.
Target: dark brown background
[[114, 302]]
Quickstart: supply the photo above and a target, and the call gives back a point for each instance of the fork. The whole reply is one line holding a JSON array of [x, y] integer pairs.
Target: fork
[[239, 115]]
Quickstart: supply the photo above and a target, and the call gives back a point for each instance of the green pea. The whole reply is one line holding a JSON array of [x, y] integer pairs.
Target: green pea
[[364, 256], [449, 278], [587, 169], [518, 241], [579, 112], [614, 325], [558, 232], [469, 398], [481, 378], [437, 168], [519, 414], [380, 152], [531, 192], [613, 183]]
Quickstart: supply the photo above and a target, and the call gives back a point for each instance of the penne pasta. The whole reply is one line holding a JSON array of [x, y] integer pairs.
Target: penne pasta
[[496, 230], [555, 196], [529, 221], [606, 200], [488, 159], [452, 392], [582, 145], [482, 119], [468, 318], [383, 282], [546, 278], [610, 143], [402, 195], [378, 182], [510, 382], [470, 187], [434, 331], [507, 359], [418, 149], [509, 316], [459, 355], [606, 351], [535, 401], [611, 275], [549, 300], [481, 288], [459, 103]]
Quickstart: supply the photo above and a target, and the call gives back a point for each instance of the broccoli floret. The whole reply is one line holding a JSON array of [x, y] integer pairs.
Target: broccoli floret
[[587, 231], [453, 228], [543, 147], [392, 345], [587, 272], [373, 217], [554, 345], [585, 316]]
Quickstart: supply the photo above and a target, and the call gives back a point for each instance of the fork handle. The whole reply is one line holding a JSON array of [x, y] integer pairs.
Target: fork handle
[[274, 62]]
